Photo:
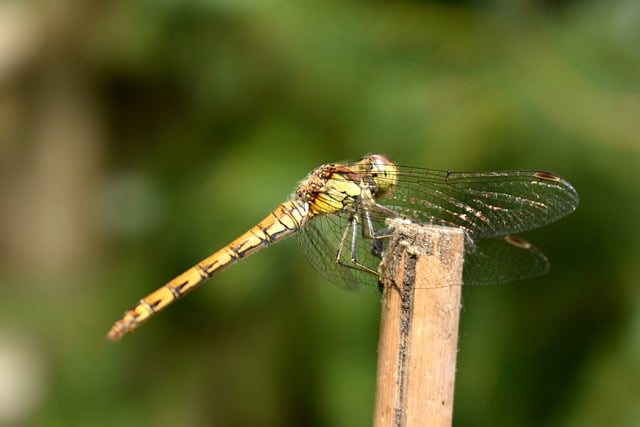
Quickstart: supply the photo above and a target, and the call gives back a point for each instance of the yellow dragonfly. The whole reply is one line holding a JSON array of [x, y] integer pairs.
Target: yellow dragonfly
[[339, 211]]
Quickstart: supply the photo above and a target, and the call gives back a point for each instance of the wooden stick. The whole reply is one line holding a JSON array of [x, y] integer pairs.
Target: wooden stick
[[419, 326]]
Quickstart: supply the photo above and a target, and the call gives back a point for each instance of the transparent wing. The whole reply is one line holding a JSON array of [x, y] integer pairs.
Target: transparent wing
[[488, 206], [320, 241], [484, 204], [502, 260], [486, 261]]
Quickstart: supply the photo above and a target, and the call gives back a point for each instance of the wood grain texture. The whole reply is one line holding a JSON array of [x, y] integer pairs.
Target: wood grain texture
[[419, 326]]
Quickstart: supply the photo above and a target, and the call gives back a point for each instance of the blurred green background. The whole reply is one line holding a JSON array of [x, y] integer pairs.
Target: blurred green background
[[136, 137]]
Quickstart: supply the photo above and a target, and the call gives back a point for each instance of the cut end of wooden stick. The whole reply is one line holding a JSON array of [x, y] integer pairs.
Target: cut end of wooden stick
[[419, 325]]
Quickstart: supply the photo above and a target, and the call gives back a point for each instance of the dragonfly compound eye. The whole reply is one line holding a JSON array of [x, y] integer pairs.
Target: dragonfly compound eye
[[384, 173]]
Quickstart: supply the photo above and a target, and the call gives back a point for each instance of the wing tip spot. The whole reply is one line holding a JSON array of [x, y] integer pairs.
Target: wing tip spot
[[517, 242], [547, 176]]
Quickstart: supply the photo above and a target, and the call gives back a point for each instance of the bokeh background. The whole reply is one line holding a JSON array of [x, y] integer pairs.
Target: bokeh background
[[138, 136]]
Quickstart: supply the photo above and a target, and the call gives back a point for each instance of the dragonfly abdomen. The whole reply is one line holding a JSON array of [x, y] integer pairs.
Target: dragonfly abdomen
[[285, 220]]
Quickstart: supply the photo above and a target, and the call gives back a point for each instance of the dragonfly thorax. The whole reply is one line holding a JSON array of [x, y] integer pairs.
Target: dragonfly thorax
[[329, 189], [338, 187]]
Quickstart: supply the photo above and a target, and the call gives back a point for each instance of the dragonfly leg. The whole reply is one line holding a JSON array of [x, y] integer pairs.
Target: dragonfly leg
[[354, 239], [353, 261], [378, 237], [369, 231], [363, 214], [344, 237]]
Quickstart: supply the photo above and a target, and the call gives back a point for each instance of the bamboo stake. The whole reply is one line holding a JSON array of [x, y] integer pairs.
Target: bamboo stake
[[419, 326]]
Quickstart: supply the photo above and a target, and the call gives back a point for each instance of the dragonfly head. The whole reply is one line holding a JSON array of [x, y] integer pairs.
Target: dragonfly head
[[382, 171]]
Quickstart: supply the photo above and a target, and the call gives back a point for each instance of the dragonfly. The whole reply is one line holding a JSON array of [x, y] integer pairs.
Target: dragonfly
[[340, 214]]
